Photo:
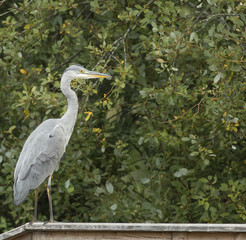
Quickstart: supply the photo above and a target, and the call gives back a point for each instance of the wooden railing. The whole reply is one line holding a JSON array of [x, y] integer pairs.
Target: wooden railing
[[126, 231]]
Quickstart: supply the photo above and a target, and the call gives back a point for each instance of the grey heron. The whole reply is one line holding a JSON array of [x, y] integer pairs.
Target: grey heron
[[44, 148]]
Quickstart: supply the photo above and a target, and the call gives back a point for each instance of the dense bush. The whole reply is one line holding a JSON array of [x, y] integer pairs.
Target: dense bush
[[163, 141]]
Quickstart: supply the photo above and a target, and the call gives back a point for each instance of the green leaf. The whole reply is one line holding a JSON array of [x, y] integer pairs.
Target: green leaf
[[183, 200], [193, 154], [114, 206], [213, 67], [67, 183], [204, 180], [217, 77], [206, 206], [145, 180], [173, 35], [191, 136], [181, 172], [109, 187], [140, 141], [206, 162], [194, 36]]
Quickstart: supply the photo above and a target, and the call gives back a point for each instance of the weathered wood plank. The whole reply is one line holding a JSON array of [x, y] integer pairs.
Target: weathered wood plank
[[213, 236], [100, 235], [153, 227], [240, 236], [14, 232], [21, 236], [179, 236]]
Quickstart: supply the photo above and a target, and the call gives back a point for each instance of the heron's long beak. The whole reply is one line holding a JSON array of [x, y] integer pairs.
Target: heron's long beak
[[92, 74]]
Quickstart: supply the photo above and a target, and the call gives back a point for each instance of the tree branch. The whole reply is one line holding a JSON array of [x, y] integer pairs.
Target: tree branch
[[121, 39], [196, 105]]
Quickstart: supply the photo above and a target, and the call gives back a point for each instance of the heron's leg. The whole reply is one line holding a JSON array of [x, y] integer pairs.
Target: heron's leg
[[50, 199], [35, 215]]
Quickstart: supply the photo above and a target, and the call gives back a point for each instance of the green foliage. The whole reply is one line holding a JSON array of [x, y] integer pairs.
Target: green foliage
[[164, 141]]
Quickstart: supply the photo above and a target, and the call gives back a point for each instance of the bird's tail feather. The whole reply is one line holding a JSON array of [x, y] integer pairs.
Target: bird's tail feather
[[21, 190]]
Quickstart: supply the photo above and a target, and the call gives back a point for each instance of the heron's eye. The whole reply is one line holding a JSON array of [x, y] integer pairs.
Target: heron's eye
[[83, 71]]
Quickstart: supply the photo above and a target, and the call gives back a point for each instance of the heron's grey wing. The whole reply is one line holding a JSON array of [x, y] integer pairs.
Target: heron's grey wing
[[35, 144], [39, 161]]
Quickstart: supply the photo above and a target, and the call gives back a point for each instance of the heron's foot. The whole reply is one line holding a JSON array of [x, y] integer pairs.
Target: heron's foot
[[34, 221], [53, 221], [50, 221]]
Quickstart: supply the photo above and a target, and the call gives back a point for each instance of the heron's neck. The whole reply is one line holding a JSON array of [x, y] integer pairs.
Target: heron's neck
[[70, 116]]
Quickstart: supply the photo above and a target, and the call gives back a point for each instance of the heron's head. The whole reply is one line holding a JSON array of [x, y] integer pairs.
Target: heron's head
[[79, 72]]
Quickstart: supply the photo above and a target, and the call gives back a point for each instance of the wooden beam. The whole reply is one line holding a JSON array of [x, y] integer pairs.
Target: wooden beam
[[152, 227]]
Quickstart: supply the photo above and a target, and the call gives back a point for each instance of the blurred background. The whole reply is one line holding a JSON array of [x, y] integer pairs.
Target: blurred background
[[163, 141]]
